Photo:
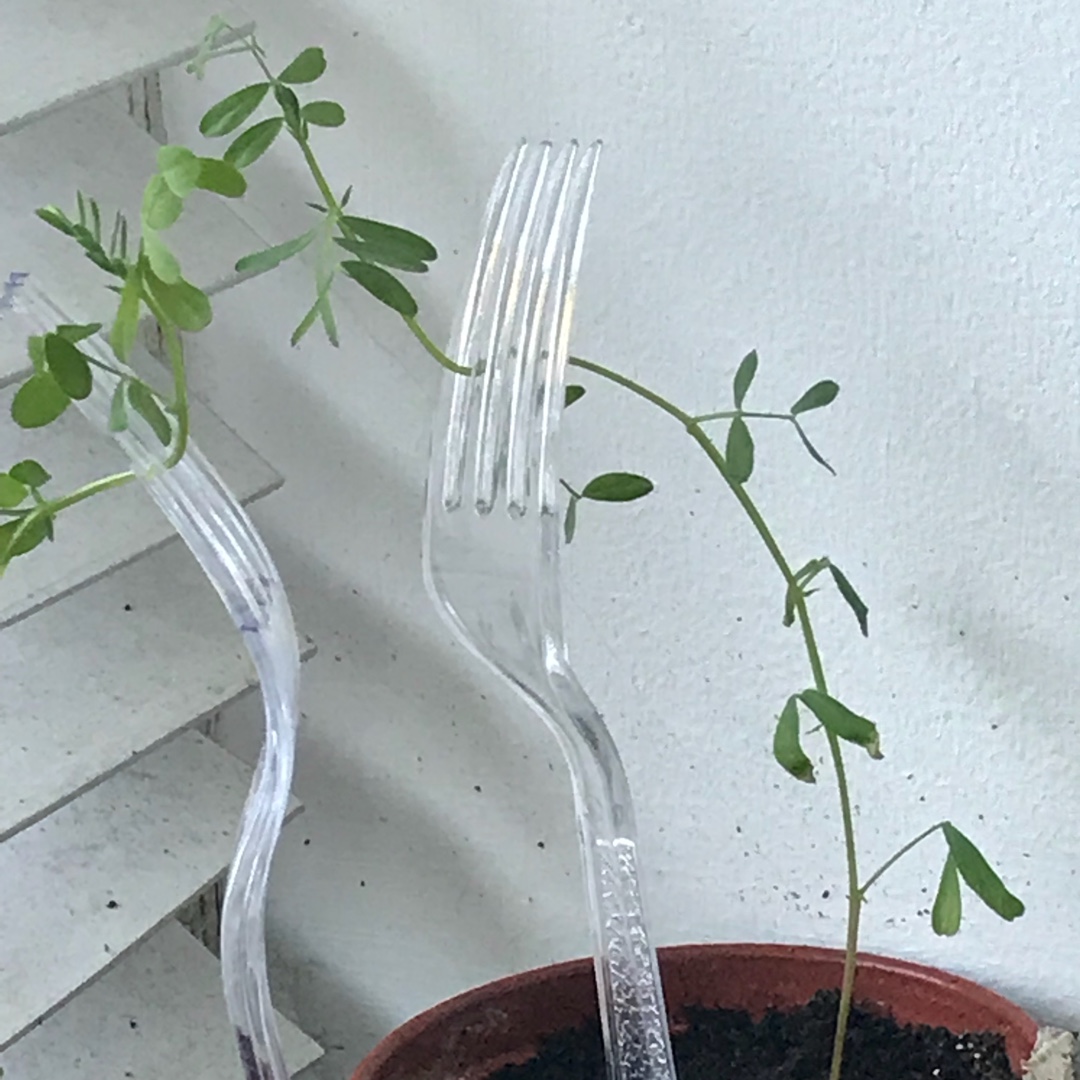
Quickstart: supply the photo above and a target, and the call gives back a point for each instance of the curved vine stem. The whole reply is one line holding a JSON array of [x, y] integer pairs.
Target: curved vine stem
[[855, 895]]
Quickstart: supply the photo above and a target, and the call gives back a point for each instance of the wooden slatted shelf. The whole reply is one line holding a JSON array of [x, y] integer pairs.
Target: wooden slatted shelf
[[145, 652], [105, 871], [110, 530], [158, 1014], [53, 52], [95, 147]]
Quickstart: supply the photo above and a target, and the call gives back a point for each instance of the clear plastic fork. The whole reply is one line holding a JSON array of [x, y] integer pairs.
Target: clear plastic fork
[[232, 554], [491, 551]]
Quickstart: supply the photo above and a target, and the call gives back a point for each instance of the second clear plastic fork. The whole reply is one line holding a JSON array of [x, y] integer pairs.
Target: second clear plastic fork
[[491, 551], [228, 547]]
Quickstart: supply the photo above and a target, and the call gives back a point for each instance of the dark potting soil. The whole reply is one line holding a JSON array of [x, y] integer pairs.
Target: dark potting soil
[[727, 1044]]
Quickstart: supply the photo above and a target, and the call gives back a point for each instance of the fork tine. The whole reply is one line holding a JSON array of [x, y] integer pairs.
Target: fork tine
[[462, 388], [518, 351], [556, 350], [525, 203]]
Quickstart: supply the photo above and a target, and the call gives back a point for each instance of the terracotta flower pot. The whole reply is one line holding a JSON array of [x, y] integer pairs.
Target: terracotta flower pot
[[503, 1022]]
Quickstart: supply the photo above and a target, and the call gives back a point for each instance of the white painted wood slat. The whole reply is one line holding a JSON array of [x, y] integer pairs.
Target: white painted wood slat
[[102, 873], [108, 675], [54, 51], [112, 529], [158, 1015], [95, 147]]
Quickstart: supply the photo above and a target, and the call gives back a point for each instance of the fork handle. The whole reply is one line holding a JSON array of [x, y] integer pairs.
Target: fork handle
[[627, 973], [637, 1043]]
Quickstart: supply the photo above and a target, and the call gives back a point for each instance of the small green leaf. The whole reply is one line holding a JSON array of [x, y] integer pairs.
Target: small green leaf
[[161, 205], [39, 401], [180, 169], [12, 492], [817, 397], [306, 68], [35, 349], [381, 254], [409, 245], [811, 449], [125, 329], [118, 414], [948, 904], [221, 177], [854, 600], [323, 114], [33, 534], [250, 145], [183, 304], [228, 114], [840, 721], [326, 313], [739, 451], [979, 876], [162, 261], [745, 376], [68, 367], [573, 393], [31, 473], [383, 286], [261, 261], [787, 749], [290, 108], [789, 607], [570, 522], [346, 197], [617, 487], [145, 403], [78, 332], [54, 216]]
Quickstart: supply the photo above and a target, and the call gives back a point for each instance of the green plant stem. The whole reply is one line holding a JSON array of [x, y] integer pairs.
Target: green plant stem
[[895, 858], [87, 491], [730, 414], [433, 349], [174, 349], [855, 898]]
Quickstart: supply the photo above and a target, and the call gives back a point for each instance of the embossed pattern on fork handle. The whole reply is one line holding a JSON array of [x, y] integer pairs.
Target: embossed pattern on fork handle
[[642, 1048]]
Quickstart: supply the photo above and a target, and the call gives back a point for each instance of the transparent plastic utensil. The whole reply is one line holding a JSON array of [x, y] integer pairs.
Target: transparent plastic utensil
[[492, 531], [230, 551]]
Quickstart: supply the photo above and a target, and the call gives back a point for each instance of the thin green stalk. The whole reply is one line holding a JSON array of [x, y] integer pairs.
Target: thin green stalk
[[855, 898], [174, 349], [87, 491], [730, 414], [893, 859], [433, 349]]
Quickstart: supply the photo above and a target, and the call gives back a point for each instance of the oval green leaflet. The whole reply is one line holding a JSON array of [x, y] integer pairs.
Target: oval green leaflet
[[323, 114], [229, 113], [31, 473], [39, 401], [383, 286], [69, 367], [617, 487], [739, 451], [745, 376], [306, 68], [948, 904], [250, 145], [817, 397], [979, 876], [12, 492], [840, 721], [787, 748], [408, 245]]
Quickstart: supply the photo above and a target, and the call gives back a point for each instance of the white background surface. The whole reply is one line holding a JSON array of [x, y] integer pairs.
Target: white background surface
[[883, 194]]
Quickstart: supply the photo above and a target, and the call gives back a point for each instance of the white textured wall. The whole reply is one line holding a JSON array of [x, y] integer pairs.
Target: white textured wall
[[885, 194]]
